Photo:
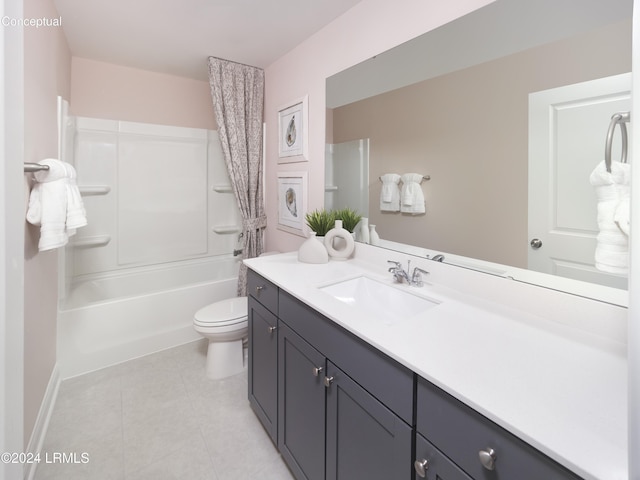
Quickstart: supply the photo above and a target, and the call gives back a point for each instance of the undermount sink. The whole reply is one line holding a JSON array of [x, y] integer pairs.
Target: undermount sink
[[379, 299]]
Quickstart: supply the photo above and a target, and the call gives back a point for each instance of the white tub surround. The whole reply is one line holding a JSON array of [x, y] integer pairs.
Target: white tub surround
[[163, 223], [547, 366]]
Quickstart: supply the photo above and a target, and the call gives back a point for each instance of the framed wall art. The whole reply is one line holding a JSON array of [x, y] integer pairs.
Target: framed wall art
[[293, 134], [292, 202]]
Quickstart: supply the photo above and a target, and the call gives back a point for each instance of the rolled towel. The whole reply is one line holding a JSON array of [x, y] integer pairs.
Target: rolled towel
[[612, 191], [411, 197], [390, 194], [55, 204]]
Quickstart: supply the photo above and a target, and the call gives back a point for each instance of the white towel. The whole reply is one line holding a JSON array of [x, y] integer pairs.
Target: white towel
[[612, 191], [390, 194], [411, 197], [55, 204]]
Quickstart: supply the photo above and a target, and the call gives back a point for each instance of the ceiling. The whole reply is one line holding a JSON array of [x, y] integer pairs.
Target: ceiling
[[177, 36]]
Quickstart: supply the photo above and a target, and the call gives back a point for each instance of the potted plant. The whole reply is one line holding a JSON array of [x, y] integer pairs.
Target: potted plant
[[320, 221], [350, 218]]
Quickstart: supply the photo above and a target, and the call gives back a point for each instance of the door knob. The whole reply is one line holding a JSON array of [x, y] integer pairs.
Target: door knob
[[536, 243], [421, 467], [488, 458]]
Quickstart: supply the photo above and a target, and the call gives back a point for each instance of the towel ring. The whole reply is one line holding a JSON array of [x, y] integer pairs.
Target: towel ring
[[617, 119]]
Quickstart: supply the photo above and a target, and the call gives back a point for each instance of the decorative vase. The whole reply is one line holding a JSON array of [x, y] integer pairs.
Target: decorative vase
[[374, 238], [339, 242], [312, 251], [364, 230]]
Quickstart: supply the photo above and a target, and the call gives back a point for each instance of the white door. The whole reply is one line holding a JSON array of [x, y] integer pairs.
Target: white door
[[567, 131]]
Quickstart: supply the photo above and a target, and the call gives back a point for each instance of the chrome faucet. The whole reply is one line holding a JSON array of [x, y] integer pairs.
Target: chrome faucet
[[400, 275]]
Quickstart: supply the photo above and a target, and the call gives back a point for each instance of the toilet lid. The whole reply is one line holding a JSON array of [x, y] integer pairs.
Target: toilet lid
[[228, 311]]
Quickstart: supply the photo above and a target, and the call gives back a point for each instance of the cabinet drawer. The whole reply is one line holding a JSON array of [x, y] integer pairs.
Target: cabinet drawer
[[387, 380], [263, 291], [433, 465], [461, 433]]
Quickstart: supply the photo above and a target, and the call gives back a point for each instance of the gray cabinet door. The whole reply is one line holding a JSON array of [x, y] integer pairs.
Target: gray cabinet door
[[263, 366], [301, 405], [434, 465], [364, 438]]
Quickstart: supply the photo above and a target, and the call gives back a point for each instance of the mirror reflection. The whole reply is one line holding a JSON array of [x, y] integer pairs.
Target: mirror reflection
[[507, 111]]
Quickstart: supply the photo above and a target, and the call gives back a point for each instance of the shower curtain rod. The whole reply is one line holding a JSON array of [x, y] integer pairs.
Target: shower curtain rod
[[237, 63]]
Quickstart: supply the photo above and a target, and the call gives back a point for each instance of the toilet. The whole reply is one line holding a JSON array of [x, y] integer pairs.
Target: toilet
[[225, 325]]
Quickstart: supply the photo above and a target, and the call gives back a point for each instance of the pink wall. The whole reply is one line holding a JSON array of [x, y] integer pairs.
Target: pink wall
[[47, 70], [105, 90], [350, 39]]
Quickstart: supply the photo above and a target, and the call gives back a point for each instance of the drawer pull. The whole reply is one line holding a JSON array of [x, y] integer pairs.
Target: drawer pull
[[317, 371], [328, 381], [488, 458], [259, 288], [272, 329], [421, 467]]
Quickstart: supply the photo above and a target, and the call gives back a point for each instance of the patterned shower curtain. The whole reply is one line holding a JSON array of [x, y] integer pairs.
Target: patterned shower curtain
[[238, 98]]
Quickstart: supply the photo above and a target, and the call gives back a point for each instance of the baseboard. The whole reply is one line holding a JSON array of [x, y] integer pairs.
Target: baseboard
[[42, 421]]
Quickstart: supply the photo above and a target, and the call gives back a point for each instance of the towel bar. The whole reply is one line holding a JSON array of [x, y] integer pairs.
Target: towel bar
[[34, 167], [619, 118], [424, 177]]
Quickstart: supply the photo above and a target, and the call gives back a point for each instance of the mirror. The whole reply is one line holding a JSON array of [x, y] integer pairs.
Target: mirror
[[457, 104]]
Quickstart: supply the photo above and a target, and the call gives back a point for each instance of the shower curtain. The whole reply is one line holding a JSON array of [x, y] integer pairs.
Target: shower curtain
[[238, 97]]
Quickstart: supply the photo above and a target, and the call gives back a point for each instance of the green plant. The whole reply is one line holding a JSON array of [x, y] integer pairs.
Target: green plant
[[349, 217], [320, 221]]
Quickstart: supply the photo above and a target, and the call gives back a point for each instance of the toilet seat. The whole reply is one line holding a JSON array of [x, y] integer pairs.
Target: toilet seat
[[225, 313]]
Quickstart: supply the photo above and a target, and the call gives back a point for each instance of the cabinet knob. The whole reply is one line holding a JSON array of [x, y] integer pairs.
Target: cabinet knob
[[272, 329], [421, 467], [488, 458], [328, 381], [259, 288], [317, 371]]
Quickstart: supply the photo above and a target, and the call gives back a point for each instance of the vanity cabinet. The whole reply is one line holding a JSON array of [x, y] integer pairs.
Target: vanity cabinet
[[263, 351], [331, 424], [481, 448], [340, 409]]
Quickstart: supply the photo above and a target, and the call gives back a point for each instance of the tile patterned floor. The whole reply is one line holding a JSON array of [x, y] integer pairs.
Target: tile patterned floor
[[158, 417]]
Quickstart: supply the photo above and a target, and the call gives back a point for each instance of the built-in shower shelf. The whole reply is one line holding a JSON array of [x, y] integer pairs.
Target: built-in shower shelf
[[222, 189], [87, 190], [91, 242], [226, 229]]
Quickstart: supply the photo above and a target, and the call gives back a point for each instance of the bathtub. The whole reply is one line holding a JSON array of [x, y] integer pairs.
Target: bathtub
[[109, 318]]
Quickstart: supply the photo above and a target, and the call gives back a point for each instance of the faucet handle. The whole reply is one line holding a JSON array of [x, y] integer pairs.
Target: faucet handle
[[396, 265], [416, 278]]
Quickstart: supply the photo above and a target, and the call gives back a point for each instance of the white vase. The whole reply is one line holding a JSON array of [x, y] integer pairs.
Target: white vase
[[339, 242], [364, 230], [374, 238], [312, 251]]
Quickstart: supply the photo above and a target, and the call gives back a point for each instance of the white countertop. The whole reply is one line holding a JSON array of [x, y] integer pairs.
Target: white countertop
[[561, 389]]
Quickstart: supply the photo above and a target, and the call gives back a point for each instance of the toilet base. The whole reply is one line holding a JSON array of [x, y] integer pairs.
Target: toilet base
[[224, 359]]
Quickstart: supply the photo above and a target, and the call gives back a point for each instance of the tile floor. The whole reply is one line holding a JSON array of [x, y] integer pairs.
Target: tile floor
[[158, 417]]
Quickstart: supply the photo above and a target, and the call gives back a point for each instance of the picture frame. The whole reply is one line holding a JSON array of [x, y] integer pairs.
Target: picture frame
[[292, 202], [293, 132]]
